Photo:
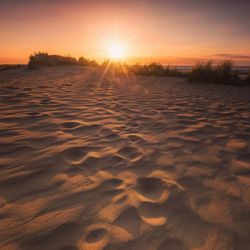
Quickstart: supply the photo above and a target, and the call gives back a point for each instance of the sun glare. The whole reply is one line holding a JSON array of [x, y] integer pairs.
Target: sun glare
[[116, 51]]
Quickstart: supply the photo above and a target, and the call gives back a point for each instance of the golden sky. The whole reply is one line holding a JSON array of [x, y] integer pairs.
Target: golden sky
[[170, 32]]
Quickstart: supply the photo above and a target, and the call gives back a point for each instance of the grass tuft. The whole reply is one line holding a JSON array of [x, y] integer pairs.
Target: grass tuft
[[154, 69], [221, 73]]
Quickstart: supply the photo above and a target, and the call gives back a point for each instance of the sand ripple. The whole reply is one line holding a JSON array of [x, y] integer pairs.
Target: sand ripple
[[139, 164]]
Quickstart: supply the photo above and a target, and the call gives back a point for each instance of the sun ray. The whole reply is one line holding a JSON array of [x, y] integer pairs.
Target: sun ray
[[105, 71]]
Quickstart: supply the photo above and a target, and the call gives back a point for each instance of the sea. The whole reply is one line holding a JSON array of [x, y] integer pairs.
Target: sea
[[242, 70]]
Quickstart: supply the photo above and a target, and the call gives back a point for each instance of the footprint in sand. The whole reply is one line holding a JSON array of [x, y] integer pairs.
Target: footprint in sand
[[172, 244], [74, 154], [150, 187], [96, 235], [135, 138], [129, 220], [152, 213], [111, 183], [70, 125], [130, 153], [152, 194]]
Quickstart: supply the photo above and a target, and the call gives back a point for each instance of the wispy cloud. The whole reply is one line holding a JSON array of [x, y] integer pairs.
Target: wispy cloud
[[233, 56]]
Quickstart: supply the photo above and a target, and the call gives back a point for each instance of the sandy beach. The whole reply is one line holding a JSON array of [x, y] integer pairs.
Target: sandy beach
[[122, 163]]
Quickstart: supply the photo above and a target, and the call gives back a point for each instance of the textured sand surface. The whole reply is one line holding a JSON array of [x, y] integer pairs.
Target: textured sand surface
[[125, 163]]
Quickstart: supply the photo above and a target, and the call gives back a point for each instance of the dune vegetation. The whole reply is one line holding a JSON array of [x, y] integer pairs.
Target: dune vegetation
[[247, 80], [44, 59], [208, 72], [154, 69]]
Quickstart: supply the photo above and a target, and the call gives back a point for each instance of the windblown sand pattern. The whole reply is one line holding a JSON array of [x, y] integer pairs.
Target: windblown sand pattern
[[125, 163]]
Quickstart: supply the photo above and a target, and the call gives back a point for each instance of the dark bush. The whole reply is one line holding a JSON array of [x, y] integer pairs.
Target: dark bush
[[202, 72], [153, 69], [44, 59], [220, 73], [86, 62]]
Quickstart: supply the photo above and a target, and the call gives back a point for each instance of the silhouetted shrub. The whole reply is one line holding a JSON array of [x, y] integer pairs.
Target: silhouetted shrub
[[153, 69], [106, 63], [247, 80], [44, 59], [86, 62], [202, 72], [220, 73], [225, 73]]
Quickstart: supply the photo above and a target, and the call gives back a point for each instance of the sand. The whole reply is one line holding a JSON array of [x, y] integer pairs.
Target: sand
[[126, 163]]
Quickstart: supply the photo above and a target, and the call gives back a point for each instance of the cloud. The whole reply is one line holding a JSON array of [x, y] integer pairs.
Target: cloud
[[233, 56]]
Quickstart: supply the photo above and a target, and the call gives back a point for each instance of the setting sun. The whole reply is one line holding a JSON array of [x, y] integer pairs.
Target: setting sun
[[116, 51]]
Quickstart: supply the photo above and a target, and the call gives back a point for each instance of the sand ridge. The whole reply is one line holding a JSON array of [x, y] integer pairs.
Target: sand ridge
[[124, 163]]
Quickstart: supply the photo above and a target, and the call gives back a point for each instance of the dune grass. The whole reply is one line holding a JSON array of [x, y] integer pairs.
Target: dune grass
[[221, 73], [154, 69], [82, 61], [209, 72], [247, 80]]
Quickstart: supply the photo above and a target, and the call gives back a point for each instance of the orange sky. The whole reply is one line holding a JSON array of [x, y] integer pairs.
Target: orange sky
[[167, 31]]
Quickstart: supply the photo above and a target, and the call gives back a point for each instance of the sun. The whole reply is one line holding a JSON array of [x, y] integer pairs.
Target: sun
[[116, 51]]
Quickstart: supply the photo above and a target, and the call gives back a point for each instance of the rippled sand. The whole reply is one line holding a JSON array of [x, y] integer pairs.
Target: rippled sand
[[125, 163]]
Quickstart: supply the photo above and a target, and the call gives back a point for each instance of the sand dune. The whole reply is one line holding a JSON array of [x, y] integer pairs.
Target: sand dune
[[139, 163]]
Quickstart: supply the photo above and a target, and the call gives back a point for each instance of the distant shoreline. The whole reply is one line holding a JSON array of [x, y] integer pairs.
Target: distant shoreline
[[4, 67], [241, 69], [178, 67]]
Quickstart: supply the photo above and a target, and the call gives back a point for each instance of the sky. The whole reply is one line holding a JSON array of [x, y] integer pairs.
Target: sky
[[166, 31]]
